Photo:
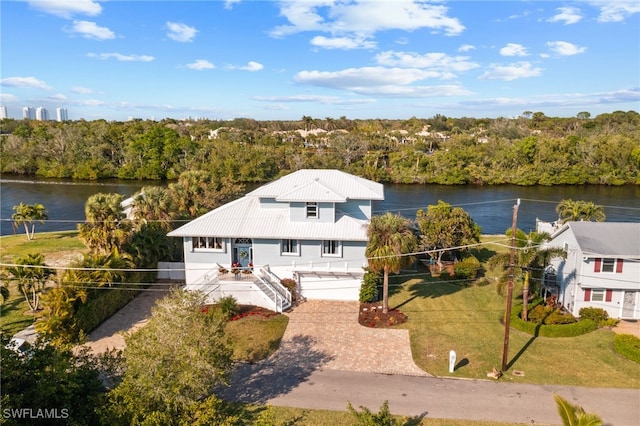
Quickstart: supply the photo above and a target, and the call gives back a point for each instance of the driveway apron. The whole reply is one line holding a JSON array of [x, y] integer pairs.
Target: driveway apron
[[326, 335]]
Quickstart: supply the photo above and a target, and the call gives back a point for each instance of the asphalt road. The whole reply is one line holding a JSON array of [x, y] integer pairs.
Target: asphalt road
[[412, 396]]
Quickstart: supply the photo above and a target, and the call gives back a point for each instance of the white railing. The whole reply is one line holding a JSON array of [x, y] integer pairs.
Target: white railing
[[208, 283], [280, 295], [275, 281]]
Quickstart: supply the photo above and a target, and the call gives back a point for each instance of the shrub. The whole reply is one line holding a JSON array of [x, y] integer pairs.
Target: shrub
[[228, 306], [598, 315], [291, 285], [482, 282], [549, 315], [539, 313], [369, 288], [551, 330], [628, 346], [366, 418], [559, 317], [467, 268]]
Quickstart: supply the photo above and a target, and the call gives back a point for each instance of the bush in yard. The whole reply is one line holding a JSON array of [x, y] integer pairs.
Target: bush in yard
[[291, 285], [628, 346], [598, 315], [550, 330], [228, 306], [369, 288], [467, 268], [366, 418]]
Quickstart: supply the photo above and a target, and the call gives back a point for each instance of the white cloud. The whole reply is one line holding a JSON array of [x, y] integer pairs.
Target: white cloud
[[67, 8], [568, 15], [616, 11], [345, 43], [6, 98], [201, 64], [92, 31], [511, 72], [24, 82], [564, 48], [364, 18], [513, 49], [466, 48], [57, 97], [228, 4], [181, 32], [251, 66], [380, 81], [81, 90], [436, 61], [121, 57]]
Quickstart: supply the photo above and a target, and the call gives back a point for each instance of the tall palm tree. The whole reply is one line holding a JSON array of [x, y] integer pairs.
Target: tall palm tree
[[571, 211], [151, 204], [391, 239], [106, 227], [28, 214], [530, 257], [31, 274]]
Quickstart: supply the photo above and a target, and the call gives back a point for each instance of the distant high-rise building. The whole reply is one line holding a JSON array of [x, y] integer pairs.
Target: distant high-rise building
[[61, 114], [28, 113], [42, 114], [3, 112]]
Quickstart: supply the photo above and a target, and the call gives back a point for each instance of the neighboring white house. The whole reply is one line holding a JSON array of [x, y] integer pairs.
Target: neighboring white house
[[310, 226], [602, 268]]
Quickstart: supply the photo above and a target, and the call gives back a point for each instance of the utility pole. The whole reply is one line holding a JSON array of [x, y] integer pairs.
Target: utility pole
[[507, 318]]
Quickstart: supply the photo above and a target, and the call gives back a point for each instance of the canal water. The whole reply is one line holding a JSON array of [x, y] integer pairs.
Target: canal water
[[489, 206]]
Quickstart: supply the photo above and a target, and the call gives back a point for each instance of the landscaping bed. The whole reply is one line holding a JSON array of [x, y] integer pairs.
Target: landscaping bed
[[371, 315]]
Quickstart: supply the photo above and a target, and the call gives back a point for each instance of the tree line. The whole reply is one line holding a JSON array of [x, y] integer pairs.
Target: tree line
[[532, 149]]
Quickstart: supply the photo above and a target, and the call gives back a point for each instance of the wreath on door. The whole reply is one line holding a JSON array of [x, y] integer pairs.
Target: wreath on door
[[243, 254]]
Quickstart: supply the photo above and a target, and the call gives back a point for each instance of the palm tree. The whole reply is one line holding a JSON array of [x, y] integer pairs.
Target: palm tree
[[28, 214], [570, 210], [106, 227], [31, 275], [530, 256], [390, 240], [151, 204], [574, 415], [4, 292]]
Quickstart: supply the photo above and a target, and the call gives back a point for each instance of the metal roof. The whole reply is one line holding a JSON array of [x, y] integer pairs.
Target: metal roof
[[319, 184], [612, 239], [246, 218]]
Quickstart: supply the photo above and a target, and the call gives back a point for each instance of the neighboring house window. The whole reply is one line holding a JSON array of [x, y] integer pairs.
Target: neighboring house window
[[331, 248], [608, 264], [598, 295], [312, 210], [208, 243], [289, 246]]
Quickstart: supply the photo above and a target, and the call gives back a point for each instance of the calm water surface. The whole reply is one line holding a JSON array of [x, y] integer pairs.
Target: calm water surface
[[490, 206]]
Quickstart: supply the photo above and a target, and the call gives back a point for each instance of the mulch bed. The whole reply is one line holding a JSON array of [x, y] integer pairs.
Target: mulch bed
[[244, 311], [371, 316]]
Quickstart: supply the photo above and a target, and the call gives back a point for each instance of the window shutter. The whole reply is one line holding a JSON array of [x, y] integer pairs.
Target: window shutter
[[587, 295], [608, 295], [619, 266], [598, 265]]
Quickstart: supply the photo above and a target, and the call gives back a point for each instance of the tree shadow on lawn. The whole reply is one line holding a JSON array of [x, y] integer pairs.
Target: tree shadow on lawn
[[427, 287], [291, 365]]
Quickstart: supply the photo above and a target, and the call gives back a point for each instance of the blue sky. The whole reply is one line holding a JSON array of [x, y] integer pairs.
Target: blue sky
[[281, 60]]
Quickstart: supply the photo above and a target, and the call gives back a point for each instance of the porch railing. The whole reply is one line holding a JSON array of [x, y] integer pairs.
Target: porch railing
[[274, 281]]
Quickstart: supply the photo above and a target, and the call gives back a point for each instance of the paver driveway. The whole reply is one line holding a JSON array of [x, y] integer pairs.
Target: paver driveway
[[341, 343]]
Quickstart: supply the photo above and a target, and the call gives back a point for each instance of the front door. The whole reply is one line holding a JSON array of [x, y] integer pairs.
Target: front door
[[628, 304], [243, 252]]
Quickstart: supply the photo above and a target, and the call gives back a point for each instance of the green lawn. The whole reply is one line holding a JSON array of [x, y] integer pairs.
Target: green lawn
[[444, 316], [14, 315]]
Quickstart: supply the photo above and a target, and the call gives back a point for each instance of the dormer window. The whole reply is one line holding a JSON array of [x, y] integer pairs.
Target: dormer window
[[312, 210]]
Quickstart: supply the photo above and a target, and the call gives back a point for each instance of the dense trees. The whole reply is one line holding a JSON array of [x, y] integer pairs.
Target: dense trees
[[528, 150], [577, 210]]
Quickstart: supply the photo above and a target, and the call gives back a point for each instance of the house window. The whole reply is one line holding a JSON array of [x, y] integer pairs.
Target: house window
[[608, 264], [331, 248], [208, 243], [289, 247], [597, 295], [312, 210]]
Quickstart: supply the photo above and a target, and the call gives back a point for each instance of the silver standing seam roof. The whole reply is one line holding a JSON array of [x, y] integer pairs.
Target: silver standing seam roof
[[245, 218], [606, 239]]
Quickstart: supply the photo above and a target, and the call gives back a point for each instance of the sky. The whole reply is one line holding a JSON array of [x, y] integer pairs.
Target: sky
[[282, 60]]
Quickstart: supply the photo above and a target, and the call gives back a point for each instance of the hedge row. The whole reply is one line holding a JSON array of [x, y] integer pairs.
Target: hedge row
[[102, 304], [553, 330], [628, 346]]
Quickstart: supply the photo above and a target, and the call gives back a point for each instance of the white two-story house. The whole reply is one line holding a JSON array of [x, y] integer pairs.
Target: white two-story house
[[602, 268], [310, 226]]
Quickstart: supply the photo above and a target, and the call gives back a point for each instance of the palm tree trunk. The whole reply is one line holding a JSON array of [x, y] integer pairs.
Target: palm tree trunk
[[385, 291], [26, 230], [525, 297]]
